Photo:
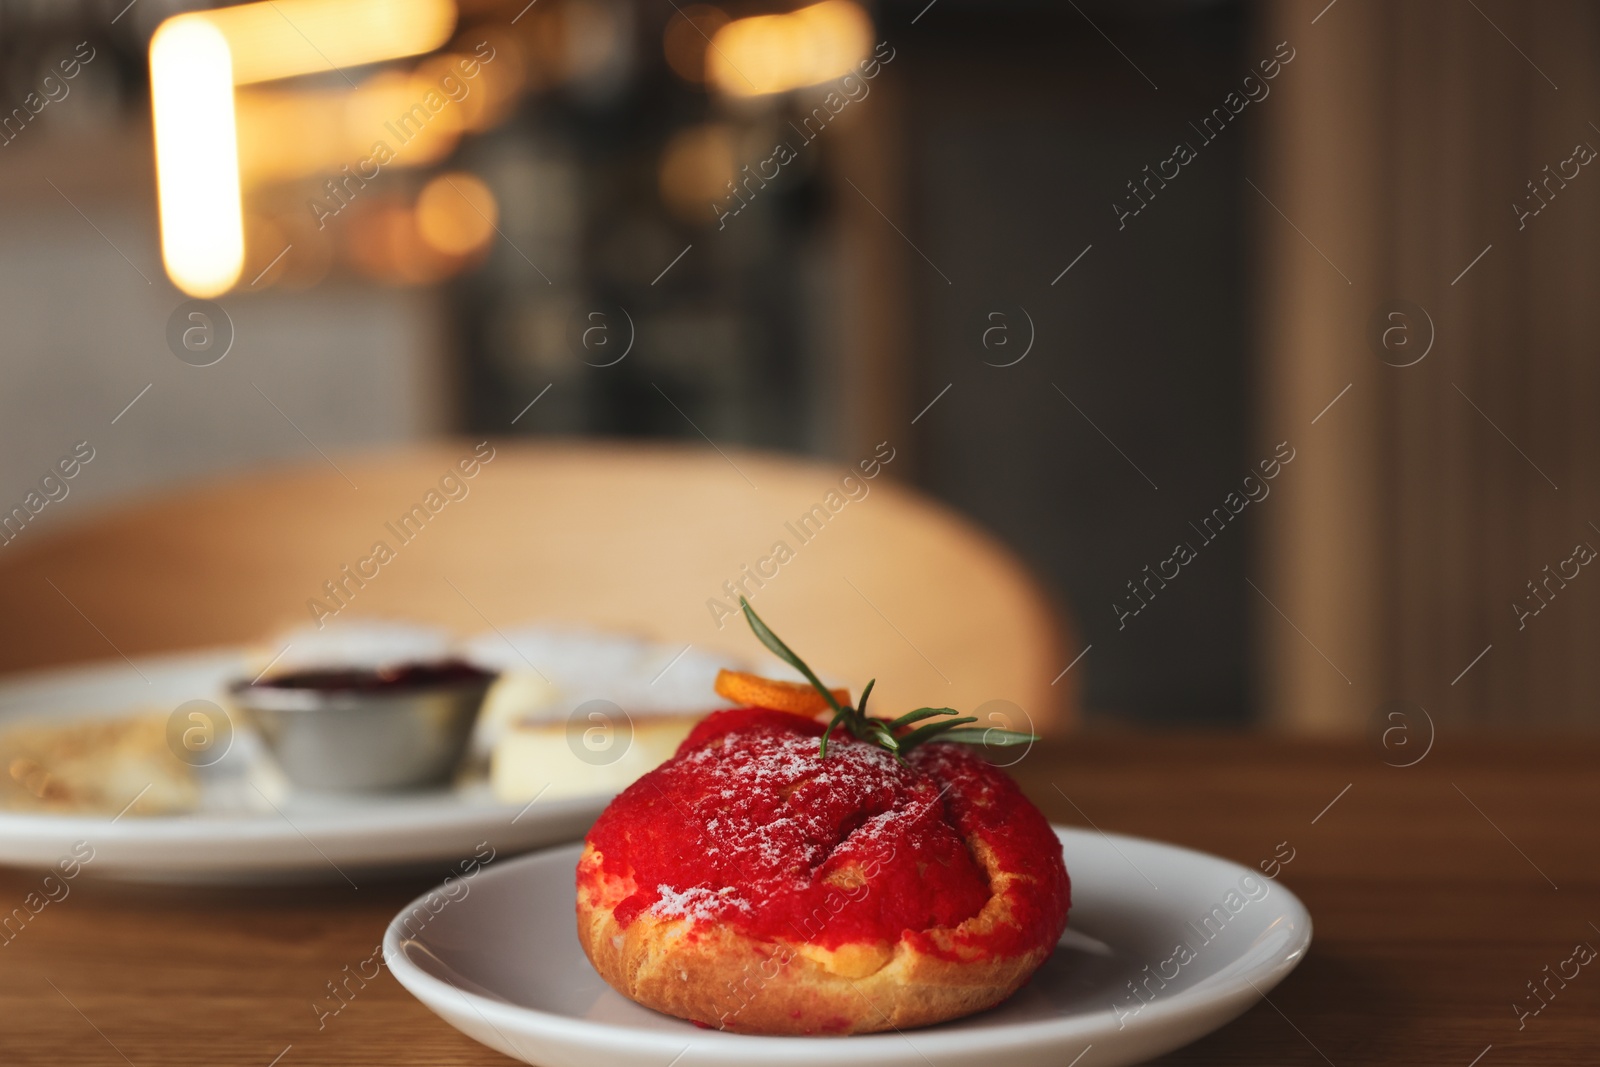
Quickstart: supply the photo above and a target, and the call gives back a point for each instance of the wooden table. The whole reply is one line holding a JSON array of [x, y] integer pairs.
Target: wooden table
[[1434, 890]]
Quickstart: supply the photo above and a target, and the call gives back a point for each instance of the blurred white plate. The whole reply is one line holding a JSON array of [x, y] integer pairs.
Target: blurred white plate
[[243, 835], [500, 961]]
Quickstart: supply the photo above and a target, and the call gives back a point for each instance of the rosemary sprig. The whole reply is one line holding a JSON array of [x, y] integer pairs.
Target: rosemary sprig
[[950, 724], [921, 713]]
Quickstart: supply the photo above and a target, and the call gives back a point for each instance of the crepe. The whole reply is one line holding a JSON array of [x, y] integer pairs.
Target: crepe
[[89, 766]]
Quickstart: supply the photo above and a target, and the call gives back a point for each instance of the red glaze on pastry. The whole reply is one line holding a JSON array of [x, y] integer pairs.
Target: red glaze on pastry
[[865, 892]]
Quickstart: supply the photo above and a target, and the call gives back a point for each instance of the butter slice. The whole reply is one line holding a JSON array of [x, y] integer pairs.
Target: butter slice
[[516, 695], [555, 758]]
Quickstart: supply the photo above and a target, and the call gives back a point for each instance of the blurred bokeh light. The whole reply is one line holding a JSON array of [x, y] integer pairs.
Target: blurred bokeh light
[[456, 213], [777, 53]]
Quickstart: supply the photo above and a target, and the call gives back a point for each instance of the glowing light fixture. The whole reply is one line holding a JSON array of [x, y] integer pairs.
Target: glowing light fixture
[[197, 59], [777, 53], [197, 156], [283, 38]]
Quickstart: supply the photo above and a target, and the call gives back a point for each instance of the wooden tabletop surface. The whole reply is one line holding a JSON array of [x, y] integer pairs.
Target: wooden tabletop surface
[[1438, 891]]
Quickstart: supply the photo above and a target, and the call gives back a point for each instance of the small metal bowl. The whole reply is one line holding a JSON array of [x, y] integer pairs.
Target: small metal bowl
[[365, 739]]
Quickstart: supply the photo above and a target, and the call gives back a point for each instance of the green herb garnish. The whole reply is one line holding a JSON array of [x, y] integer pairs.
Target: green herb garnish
[[951, 724]]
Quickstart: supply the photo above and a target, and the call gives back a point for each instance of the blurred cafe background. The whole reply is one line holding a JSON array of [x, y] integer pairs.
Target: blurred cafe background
[[1262, 334]]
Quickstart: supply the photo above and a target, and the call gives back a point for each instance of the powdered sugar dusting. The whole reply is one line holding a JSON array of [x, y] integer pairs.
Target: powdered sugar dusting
[[787, 842], [696, 902]]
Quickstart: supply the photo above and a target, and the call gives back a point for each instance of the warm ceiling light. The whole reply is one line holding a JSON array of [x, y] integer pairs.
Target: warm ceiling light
[[197, 156], [197, 59], [456, 213], [283, 38], [776, 53]]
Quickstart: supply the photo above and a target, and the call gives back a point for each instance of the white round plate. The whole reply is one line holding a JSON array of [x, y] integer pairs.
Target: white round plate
[[497, 956], [243, 835]]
